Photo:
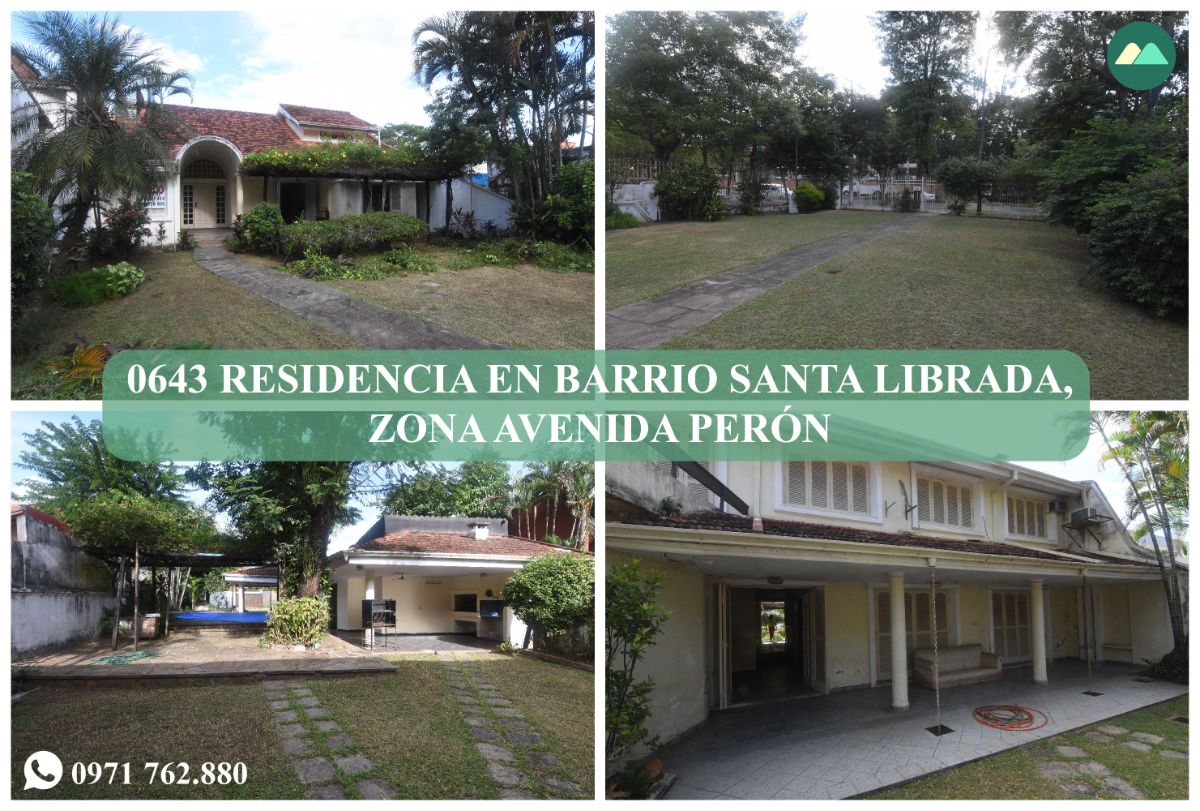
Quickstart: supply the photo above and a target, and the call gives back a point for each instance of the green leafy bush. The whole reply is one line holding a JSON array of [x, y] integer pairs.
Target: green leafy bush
[[808, 198], [186, 241], [32, 223], [553, 593], [964, 179], [298, 621], [751, 190], [99, 284], [829, 203], [688, 193], [128, 225], [1138, 237], [352, 234], [633, 621], [567, 215], [316, 265], [616, 220], [259, 229]]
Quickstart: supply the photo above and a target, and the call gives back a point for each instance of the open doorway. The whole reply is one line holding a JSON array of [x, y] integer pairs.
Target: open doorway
[[291, 201], [773, 641]]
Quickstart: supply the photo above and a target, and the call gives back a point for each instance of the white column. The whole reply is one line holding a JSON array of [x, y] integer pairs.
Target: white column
[[1037, 631], [368, 594], [239, 206], [241, 606], [899, 643]]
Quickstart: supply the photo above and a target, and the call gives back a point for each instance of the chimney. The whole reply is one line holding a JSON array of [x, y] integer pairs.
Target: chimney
[[477, 530]]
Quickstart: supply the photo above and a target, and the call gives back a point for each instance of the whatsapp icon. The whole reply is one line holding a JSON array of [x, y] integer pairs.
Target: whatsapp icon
[[1141, 56]]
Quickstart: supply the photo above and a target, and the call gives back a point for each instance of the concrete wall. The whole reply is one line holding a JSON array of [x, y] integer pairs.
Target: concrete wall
[[847, 635], [486, 204], [423, 604], [1150, 620], [1063, 618], [974, 610], [1113, 624], [678, 660], [59, 591]]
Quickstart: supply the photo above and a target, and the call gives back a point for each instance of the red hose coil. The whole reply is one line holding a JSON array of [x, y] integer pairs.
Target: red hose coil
[[1010, 717]]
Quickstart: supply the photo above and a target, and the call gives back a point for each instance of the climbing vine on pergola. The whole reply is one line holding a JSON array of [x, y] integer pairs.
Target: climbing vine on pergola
[[358, 160]]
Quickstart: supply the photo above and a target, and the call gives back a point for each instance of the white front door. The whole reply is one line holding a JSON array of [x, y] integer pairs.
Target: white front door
[[205, 205]]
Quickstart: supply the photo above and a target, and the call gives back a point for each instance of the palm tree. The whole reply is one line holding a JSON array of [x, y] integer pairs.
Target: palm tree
[[581, 496], [107, 121], [1151, 449]]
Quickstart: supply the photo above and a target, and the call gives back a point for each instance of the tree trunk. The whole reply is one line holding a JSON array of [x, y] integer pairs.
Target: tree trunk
[[136, 594], [449, 201], [120, 598]]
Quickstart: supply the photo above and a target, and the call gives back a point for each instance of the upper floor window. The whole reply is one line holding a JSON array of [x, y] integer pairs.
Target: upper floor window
[[843, 488], [1027, 517], [945, 503]]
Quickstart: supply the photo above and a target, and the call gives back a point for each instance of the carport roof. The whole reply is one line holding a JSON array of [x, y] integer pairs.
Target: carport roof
[[419, 542], [723, 522]]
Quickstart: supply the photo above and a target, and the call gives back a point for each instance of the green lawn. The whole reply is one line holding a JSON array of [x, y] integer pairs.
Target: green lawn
[[961, 283], [178, 305], [1013, 775], [640, 263], [407, 723]]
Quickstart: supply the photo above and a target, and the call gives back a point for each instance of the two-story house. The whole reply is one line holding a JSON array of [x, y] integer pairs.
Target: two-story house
[[800, 578]]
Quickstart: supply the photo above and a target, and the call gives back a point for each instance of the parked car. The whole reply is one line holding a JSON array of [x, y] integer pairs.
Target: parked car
[[862, 190]]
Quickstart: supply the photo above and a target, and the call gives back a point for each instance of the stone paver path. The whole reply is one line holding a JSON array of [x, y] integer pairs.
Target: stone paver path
[[518, 758], [369, 324], [1087, 779], [653, 322], [322, 755]]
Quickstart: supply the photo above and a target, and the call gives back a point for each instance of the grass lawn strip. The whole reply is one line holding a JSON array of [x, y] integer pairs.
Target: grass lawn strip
[[179, 305], [324, 757], [957, 283], [411, 727], [1121, 758], [220, 723], [640, 263]]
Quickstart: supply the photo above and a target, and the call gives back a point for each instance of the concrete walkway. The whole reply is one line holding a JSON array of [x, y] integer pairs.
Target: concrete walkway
[[841, 745], [651, 323], [372, 326]]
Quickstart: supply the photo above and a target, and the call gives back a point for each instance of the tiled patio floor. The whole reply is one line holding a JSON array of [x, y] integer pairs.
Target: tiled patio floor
[[421, 643], [841, 745]]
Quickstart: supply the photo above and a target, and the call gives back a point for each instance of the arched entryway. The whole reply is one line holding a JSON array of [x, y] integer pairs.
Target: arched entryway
[[207, 184]]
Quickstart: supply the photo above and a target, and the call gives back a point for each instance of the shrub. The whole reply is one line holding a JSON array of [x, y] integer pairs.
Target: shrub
[[315, 265], [186, 241], [750, 190], [553, 593], [259, 229], [1138, 237], [99, 284], [615, 220], [633, 619], [352, 234], [78, 375], [965, 179], [298, 621], [687, 193], [32, 223], [808, 198], [906, 201], [128, 226], [829, 203]]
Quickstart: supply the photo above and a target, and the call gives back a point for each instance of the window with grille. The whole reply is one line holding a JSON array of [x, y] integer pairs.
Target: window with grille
[[945, 504], [918, 625], [1010, 626], [1026, 516], [834, 487], [189, 205], [220, 205], [204, 169]]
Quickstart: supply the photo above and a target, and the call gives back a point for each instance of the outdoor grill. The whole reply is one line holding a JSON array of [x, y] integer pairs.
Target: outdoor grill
[[376, 615]]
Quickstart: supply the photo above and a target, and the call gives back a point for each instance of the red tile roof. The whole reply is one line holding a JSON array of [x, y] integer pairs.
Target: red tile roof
[[317, 117], [21, 68], [35, 513], [827, 532], [450, 543], [249, 132]]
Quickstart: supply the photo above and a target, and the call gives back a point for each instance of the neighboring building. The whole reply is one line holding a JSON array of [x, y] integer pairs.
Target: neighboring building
[[59, 590], [254, 588], [797, 578], [446, 575]]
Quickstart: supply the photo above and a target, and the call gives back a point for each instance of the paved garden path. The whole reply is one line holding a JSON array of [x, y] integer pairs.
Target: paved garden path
[[518, 758], [1081, 777], [369, 324], [324, 757], [653, 322]]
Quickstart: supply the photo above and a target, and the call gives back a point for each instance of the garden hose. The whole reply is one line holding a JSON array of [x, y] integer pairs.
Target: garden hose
[[1010, 717]]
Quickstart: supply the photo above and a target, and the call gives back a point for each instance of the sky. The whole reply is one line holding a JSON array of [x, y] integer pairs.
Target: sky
[[258, 59]]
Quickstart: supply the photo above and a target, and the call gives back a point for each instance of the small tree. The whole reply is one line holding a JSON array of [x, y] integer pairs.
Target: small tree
[[633, 620], [32, 229], [687, 193], [553, 593], [965, 181]]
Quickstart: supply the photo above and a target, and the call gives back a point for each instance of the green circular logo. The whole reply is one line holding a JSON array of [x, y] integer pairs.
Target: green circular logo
[[1141, 56]]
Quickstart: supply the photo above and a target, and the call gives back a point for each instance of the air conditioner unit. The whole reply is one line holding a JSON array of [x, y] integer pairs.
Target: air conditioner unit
[[1084, 515], [1059, 507]]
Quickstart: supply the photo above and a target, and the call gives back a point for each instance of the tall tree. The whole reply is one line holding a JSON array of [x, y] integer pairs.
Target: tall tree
[[105, 136], [927, 54], [294, 506], [1151, 450]]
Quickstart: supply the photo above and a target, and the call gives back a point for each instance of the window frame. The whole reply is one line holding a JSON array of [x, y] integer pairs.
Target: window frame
[[874, 512], [971, 483], [1051, 535]]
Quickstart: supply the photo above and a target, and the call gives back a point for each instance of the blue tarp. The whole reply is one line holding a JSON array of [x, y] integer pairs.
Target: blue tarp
[[247, 617]]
